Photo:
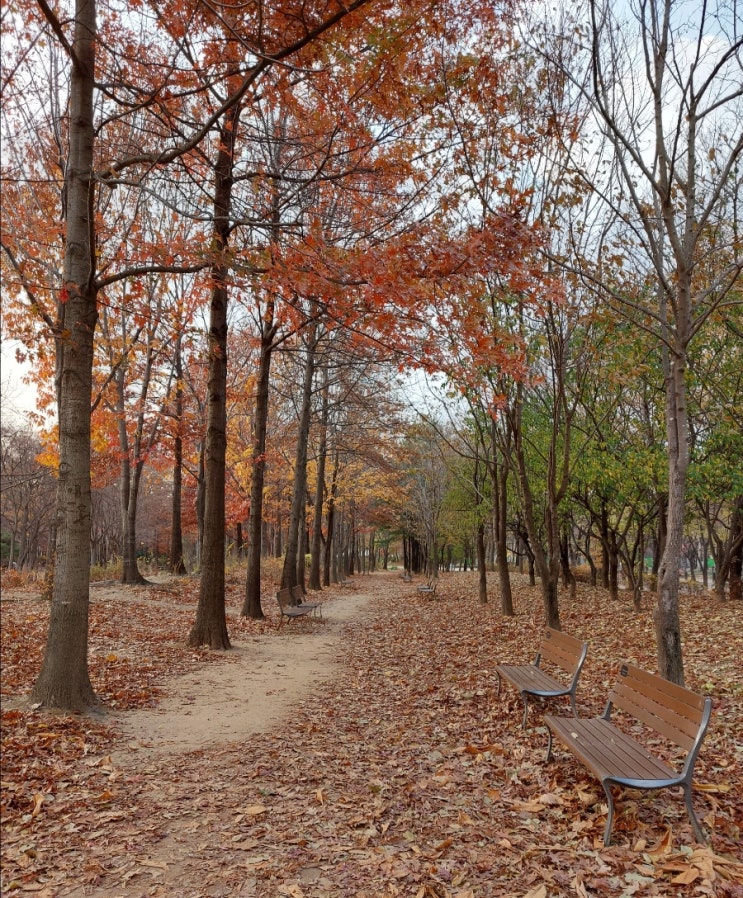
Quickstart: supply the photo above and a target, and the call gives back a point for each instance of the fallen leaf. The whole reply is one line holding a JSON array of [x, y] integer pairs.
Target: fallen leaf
[[687, 877], [255, 810], [538, 892]]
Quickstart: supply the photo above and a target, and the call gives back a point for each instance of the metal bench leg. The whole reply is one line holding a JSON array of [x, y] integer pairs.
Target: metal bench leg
[[610, 817], [698, 831], [499, 682], [526, 709], [549, 744], [572, 702]]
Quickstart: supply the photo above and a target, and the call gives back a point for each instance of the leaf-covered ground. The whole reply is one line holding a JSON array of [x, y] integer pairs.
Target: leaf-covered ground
[[407, 775]]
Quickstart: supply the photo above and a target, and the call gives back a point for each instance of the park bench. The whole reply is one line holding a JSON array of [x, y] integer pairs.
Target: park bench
[[429, 588], [288, 609], [616, 758], [298, 597], [566, 654]]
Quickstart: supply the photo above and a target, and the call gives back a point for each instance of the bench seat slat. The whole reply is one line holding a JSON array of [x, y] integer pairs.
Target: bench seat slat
[[608, 752], [532, 679]]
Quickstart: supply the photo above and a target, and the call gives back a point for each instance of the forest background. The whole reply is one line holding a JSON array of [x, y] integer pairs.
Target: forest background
[[230, 229]]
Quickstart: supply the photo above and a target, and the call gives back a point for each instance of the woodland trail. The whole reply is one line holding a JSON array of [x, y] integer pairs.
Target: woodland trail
[[255, 691], [389, 767]]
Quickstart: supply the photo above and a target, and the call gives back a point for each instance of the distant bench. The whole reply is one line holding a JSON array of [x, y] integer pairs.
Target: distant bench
[[291, 605], [429, 587], [615, 758], [298, 596], [567, 653]]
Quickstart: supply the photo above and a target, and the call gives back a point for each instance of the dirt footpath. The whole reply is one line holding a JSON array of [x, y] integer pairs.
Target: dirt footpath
[[255, 691]]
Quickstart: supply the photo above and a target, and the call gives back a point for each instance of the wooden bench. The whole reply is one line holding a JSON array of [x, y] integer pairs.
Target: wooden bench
[[288, 609], [298, 598], [567, 653], [429, 588], [615, 758]]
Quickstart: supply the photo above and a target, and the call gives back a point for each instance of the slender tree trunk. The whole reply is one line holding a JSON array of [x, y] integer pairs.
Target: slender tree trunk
[[667, 621], [200, 494], [128, 491], [64, 680], [252, 601], [613, 562], [296, 520], [322, 452], [302, 548], [604, 532], [177, 564], [482, 579], [548, 568], [500, 492], [330, 540], [210, 625]]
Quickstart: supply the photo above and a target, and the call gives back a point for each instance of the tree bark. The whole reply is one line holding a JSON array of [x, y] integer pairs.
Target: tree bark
[[482, 578], [322, 453], [500, 507], [296, 520], [177, 563], [210, 625], [252, 601], [64, 680], [327, 568]]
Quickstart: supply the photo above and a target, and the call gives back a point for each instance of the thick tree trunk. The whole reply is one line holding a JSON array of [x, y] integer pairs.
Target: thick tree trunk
[[64, 680], [210, 625]]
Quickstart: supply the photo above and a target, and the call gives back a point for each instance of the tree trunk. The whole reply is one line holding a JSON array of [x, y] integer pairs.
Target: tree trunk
[[296, 520], [210, 625], [482, 574], [667, 622], [64, 680], [252, 601], [322, 452], [128, 491], [500, 492], [177, 564], [612, 557], [330, 541], [568, 577], [548, 568], [604, 536]]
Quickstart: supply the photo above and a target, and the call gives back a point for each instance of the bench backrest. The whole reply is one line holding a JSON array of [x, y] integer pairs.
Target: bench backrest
[[671, 710], [566, 651], [297, 594], [284, 597]]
